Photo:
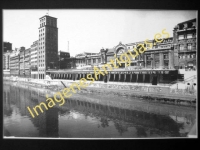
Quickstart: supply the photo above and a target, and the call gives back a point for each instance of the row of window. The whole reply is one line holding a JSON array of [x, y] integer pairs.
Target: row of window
[[157, 63], [187, 25], [41, 34], [41, 56], [42, 47], [50, 44], [181, 56], [189, 46], [41, 76], [165, 56], [41, 43], [42, 20], [41, 65], [49, 22], [145, 45], [42, 24], [40, 39], [187, 36], [94, 60], [41, 30], [164, 46], [51, 52], [41, 70], [41, 52]]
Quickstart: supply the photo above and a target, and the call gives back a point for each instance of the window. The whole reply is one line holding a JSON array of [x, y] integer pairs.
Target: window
[[156, 56], [181, 37], [181, 47], [165, 56], [148, 63], [148, 57], [166, 63], [189, 36], [189, 46], [157, 63]]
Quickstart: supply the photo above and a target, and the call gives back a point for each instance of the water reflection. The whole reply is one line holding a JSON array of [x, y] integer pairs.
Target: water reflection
[[82, 118]]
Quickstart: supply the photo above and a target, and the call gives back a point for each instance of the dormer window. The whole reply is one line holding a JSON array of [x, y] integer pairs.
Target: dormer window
[[194, 25], [180, 26], [185, 26]]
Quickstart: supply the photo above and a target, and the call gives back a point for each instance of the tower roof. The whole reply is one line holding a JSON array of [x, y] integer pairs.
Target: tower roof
[[47, 16]]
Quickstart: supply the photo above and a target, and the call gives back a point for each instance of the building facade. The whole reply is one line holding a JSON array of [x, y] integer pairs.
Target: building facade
[[34, 60], [63, 60], [6, 61], [7, 46], [48, 45], [15, 62], [21, 62], [87, 59], [27, 63], [185, 44]]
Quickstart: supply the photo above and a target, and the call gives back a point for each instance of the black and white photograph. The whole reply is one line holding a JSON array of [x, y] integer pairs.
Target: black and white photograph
[[99, 73]]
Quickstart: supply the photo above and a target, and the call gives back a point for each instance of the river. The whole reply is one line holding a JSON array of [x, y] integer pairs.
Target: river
[[86, 115]]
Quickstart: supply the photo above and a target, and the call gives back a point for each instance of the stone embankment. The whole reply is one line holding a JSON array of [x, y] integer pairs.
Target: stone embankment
[[158, 93]]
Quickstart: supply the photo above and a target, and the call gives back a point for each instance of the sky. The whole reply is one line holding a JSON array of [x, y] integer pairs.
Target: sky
[[89, 30]]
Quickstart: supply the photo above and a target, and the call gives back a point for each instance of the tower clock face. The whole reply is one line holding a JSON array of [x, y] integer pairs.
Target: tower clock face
[[121, 51]]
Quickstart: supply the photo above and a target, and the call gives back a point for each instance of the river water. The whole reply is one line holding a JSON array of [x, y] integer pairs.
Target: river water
[[87, 115]]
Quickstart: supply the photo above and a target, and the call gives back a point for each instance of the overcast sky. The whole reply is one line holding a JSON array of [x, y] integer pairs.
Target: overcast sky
[[90, 30]]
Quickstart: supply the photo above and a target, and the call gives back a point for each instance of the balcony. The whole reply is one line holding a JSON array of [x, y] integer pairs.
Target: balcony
[[186, 29]]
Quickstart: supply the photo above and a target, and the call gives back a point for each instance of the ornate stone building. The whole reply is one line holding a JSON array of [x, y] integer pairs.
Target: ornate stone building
[[185, 38]]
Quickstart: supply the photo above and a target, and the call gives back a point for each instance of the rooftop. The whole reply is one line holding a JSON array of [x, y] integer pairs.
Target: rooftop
[[192, 20], [47, 16]]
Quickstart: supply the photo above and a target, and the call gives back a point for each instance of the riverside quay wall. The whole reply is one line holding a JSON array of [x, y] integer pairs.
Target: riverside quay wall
[[145, 91]]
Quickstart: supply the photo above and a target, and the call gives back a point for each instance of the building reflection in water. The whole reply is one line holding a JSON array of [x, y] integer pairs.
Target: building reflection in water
[[46, 122], [139, 123]]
